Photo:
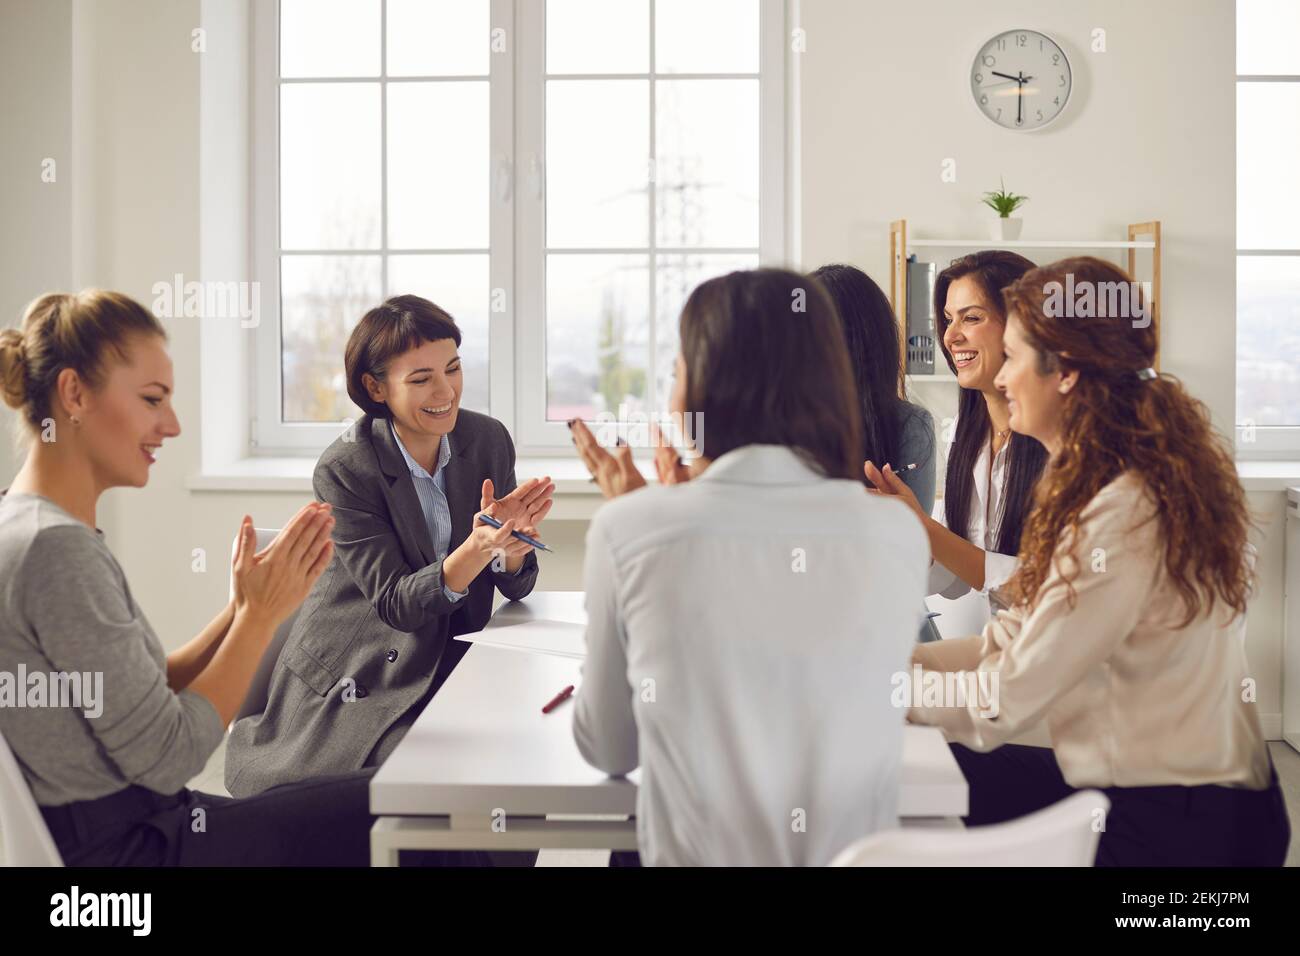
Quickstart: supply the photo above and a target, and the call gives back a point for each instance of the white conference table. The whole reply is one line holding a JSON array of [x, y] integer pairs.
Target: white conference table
[[482, 768]]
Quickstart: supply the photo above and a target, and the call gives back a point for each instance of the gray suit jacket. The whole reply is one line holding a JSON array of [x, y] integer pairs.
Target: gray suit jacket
[[378, 615]]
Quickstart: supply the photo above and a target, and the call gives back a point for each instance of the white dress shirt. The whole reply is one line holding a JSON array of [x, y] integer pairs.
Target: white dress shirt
[[432, 494], [983, 523], [743, 632]]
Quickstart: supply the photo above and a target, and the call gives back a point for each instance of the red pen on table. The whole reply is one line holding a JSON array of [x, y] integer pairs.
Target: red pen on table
[[558, 699]]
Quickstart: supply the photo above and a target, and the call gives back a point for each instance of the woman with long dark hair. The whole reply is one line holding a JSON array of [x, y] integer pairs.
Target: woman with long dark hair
[[1127, 608], [894, 430], [988, 485]]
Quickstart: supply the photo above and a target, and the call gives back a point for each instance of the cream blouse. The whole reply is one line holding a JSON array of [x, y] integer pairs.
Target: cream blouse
[[1130, 698]]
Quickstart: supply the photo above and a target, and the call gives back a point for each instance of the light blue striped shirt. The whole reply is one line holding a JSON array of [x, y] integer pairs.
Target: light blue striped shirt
[[432, 492]]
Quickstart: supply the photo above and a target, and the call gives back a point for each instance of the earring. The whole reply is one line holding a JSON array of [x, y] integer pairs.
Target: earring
[[75, 420]]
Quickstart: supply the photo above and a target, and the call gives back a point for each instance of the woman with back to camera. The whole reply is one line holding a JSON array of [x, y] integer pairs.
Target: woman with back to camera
[[989, 481], [897, 432], [744, 624], [92, 380], [1126, 626]]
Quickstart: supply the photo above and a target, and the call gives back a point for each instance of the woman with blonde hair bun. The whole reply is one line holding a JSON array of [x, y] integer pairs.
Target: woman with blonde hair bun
[[92, 381]]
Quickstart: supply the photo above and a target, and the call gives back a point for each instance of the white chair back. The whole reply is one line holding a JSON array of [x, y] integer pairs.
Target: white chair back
[[27, 840], [1064, 834]]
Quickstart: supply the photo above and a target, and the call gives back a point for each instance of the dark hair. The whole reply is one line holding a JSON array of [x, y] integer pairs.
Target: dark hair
[[871, 338], [761, 371], [1114, 421], [399, 325], [992, 270], [62, 330]]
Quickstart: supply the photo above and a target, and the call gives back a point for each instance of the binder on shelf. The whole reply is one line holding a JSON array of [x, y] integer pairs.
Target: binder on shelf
[[921, 344]]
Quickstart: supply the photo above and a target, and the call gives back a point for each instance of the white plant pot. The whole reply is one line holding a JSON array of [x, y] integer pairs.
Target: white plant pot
[[1005, 230]]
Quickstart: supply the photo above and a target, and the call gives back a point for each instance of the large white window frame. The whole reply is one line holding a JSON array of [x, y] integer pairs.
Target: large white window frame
[[535, 434], [517, 354], [1266, 442], [269, 435]]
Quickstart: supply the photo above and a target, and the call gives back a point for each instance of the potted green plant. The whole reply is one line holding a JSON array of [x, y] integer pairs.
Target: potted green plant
[[1003, 203]]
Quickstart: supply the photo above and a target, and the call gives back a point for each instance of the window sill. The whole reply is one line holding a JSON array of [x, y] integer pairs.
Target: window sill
[[1268, 475], [576, 496], [256, 474]]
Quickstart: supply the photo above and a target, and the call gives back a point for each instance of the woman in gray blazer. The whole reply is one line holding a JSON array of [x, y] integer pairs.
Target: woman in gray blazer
[[413, 566]]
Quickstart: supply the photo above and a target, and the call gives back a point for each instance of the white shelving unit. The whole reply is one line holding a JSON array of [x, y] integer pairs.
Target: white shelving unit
[[1141, 235], [1033, 244]]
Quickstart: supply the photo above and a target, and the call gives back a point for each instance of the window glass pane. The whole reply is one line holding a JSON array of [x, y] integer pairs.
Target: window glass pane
[[718, 36], [459, 285], [438, 37], [321, 299], [438, 143], [676, 277], [1268, 340], [597, 334], [706, 140], [329, 38], [597, 163], [1268, 36], [1268, 142], [597, 36], [329, 166]]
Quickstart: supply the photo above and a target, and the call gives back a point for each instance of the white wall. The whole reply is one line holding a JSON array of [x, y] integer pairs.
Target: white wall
[[1149, 133], [883, 101], [36, 103]]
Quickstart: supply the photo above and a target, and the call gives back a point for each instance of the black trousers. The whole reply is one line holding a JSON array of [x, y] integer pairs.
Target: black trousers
[[321, 822], [1207, 825]]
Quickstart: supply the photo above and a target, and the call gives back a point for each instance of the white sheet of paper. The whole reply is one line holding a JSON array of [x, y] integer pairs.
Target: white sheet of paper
[[559, 638]]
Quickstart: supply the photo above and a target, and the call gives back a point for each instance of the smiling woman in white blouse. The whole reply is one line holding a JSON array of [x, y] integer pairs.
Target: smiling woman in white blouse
[[988, 485], [1125, 631]]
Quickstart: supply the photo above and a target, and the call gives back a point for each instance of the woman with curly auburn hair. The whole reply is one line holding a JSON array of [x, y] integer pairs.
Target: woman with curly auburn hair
[[1128, 604]]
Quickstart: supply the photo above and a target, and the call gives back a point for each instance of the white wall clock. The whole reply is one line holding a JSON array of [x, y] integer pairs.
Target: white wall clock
[[1021, 80]]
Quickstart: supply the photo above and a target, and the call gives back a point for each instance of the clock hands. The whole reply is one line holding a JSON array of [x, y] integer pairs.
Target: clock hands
[[1016, 79], [1020, 80]]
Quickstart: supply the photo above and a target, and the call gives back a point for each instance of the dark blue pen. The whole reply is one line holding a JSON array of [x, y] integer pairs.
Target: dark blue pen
[[488, 519]]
